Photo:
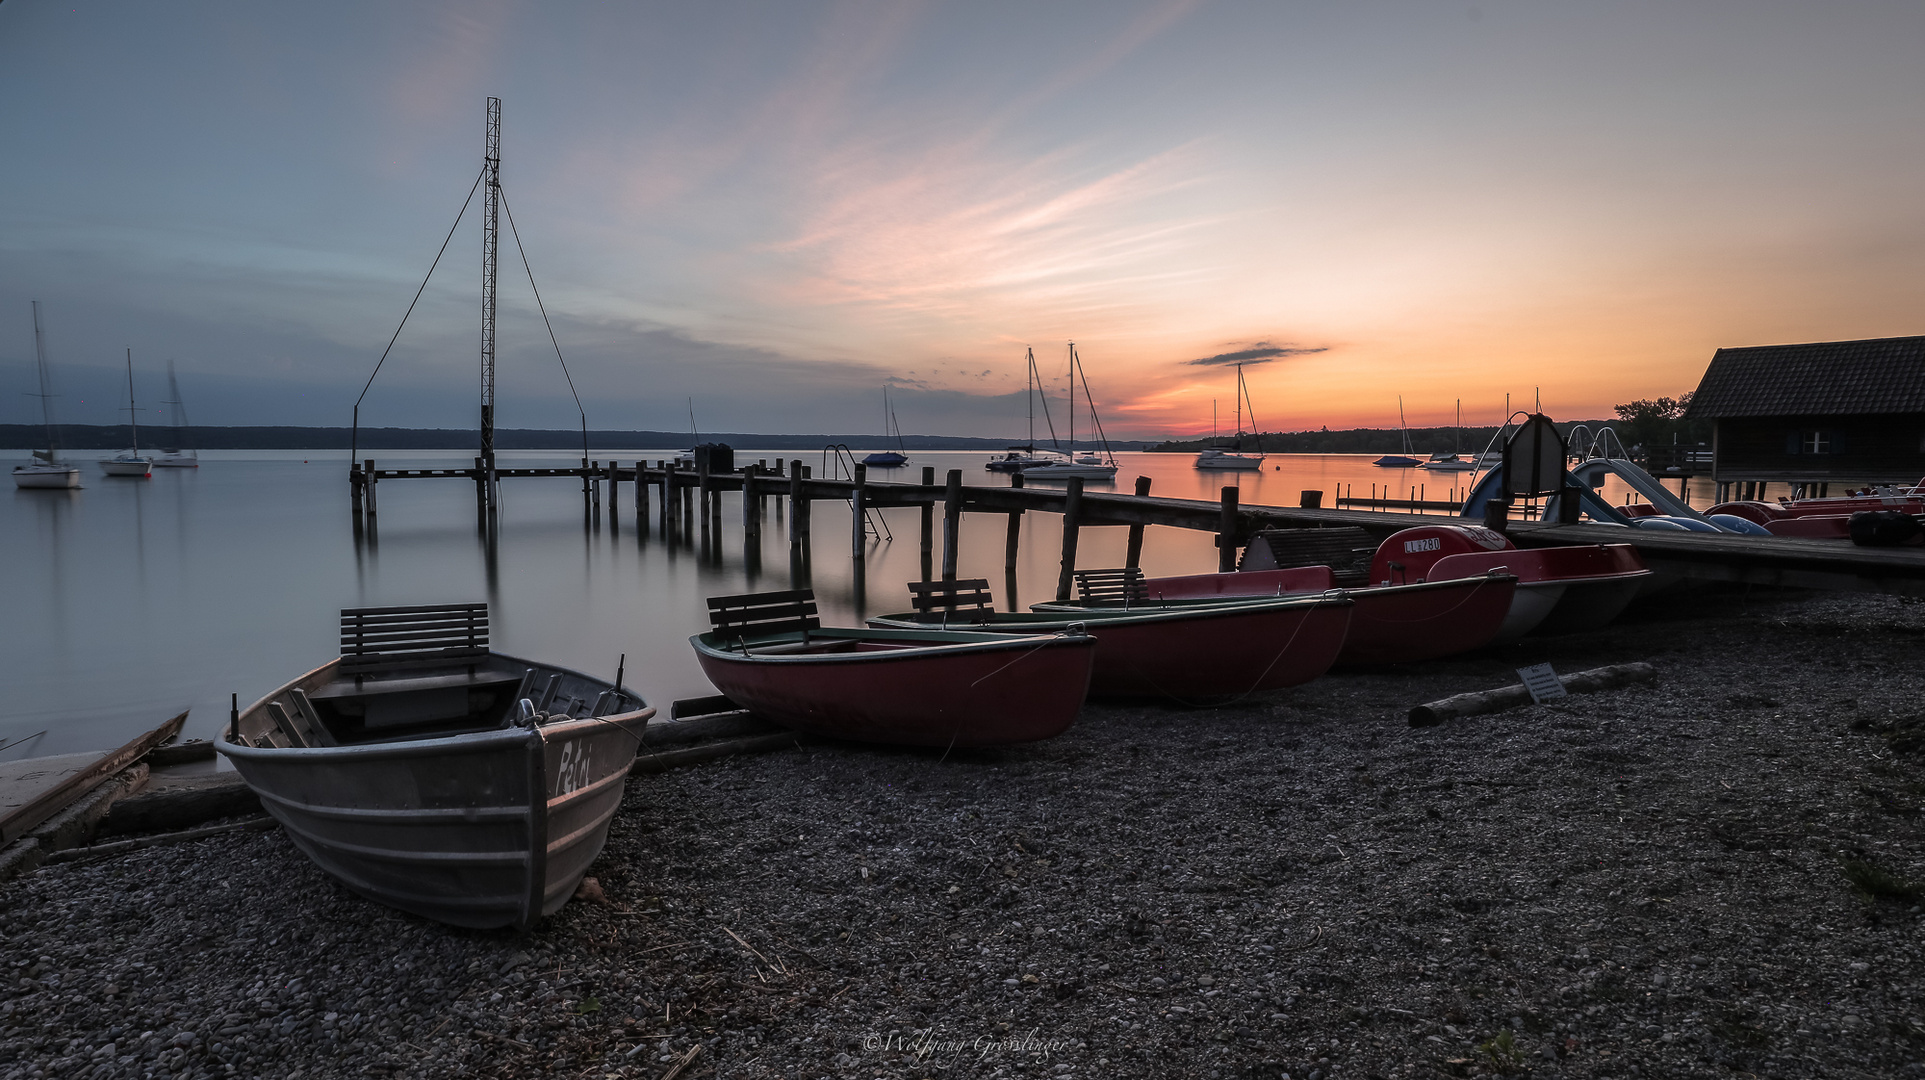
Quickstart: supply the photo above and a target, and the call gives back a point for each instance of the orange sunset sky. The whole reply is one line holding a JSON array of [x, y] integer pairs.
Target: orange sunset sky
[[768, 212]]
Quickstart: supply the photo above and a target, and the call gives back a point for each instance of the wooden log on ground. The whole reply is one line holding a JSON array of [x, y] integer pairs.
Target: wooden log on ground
[[162, 757], [257, 823], [25, 818], [733, 724], [76, 824], [1510, 697], [754, 744], [180, 803]]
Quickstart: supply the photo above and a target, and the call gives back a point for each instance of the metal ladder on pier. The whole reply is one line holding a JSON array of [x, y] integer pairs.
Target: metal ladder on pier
[[839, 463]]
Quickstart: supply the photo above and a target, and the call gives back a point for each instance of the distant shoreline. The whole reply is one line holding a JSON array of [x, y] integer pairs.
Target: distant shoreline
[[117, 436]]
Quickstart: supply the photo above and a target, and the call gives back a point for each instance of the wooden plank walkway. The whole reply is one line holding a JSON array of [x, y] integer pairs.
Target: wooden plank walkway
[[1819, 564]]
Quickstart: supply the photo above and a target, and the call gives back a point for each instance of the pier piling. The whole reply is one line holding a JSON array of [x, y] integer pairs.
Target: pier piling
[[1015, 534], [858, 520], [951, 523], [1072, 523], [1226, 534], [1133, 557], [928, 511], [798, 517]]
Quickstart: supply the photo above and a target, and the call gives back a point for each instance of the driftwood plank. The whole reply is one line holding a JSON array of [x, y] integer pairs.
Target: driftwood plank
[[22, 819]]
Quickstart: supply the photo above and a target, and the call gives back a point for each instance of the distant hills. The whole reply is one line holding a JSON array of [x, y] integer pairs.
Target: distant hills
[[117, 436], [1424, 441]]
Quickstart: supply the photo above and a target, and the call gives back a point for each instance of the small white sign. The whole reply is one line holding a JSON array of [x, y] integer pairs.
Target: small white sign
[[1542, 682]]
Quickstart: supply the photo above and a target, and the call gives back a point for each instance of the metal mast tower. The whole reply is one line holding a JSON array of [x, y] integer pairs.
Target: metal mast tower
[[490, 238]]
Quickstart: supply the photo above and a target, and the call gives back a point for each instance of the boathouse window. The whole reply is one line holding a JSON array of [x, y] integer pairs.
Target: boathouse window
[[1812, 441]]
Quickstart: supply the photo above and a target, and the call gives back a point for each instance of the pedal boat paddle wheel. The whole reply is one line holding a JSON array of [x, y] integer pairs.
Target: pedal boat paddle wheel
[[428, 773]]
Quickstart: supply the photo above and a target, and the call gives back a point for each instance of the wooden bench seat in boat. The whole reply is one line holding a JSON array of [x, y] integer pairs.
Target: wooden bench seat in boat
[[1345, 549]]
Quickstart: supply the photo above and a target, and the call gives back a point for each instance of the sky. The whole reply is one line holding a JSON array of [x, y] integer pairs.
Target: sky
[[765, 213]]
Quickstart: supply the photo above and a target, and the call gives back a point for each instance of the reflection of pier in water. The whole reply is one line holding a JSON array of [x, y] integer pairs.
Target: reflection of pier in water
[[686, 505]]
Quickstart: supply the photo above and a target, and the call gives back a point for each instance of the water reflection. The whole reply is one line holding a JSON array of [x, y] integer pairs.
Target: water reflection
[[239, 591]]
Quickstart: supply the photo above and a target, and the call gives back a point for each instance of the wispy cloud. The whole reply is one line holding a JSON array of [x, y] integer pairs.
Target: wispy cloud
[[1261, 353]]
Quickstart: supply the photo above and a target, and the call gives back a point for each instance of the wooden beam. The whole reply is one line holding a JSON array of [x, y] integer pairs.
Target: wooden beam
[[1134, 555], [951, 523]]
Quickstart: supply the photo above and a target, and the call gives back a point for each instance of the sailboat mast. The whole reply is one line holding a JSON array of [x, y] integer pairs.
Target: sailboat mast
[[133, 417], [1072, 399], [46, 394], [1244, 389]]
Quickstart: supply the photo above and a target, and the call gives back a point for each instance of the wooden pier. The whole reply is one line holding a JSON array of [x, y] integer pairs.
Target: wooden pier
[[683, 498]]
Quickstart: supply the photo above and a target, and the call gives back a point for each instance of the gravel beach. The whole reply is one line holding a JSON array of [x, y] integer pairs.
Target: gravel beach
[[1714, 874]]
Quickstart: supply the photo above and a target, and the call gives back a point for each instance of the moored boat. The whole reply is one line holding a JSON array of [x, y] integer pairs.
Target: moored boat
[[1580, 587], [426, 772], [915, 686], [1194, 653], [129, 462], [46, 470], [1390, 624]]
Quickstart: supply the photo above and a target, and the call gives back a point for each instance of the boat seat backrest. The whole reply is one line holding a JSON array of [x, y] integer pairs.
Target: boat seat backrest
[[397, 638], [734, 618], [1121, 585], [967, 599], [1345, 549]]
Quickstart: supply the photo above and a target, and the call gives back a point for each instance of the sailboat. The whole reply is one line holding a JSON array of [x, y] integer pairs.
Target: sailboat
[[47, 470], [1024, 457], [1216, 457], [176, 457], [888, 459], [1452, 462], [1083, 468], [1405, 460], [129, 462]]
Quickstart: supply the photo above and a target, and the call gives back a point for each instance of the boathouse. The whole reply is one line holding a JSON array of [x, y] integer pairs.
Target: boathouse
[[1812, 415]]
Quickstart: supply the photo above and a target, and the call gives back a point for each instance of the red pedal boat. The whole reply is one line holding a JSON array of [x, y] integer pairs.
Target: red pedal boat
[[926, 686]]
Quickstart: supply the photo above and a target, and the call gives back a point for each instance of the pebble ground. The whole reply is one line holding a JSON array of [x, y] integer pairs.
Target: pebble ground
[[1718, 874]]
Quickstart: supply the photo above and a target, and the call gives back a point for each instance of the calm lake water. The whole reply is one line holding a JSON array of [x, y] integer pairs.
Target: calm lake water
[[131, 600]]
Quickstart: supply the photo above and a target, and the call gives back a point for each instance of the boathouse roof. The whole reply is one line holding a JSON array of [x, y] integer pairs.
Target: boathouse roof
[[1823, 378]]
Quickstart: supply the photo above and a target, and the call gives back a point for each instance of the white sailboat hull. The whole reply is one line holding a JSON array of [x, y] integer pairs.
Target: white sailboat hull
[[46, 476], [1070, 472], [1229, 462], [127, 467], [177, 459]]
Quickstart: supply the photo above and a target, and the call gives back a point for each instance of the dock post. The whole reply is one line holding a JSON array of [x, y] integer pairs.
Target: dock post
[[951, 524], [367, 471], [928, 521], [354, 488], [798, 522], [641, 497], [858, 519], [751, 506], [1226, 534], [614, 475], [1015, 529], [1133, 557], [1072, 522]]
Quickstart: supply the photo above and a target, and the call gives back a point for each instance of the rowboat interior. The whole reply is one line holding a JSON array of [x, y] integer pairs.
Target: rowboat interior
[[444, 682]]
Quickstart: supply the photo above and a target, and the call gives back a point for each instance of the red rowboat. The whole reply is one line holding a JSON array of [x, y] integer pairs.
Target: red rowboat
[[1593, 583], [1390, 623], [1193, 653], [919, 687]]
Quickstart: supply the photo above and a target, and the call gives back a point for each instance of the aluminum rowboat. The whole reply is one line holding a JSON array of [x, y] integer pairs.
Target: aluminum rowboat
[[474, 792]]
